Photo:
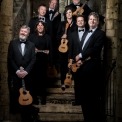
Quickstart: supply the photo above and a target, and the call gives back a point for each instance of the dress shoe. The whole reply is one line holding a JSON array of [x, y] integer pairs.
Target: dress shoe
[[63, 87]]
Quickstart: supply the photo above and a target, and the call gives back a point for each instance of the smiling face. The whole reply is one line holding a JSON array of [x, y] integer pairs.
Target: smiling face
[[40, 27], [80, 22], [42, 10], [69, 14], [53, 4], [93, 21], [23, 34]]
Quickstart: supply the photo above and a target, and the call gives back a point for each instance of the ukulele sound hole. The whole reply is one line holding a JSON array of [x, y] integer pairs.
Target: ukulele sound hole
[[68, 76], [25, 99], [24, 92]]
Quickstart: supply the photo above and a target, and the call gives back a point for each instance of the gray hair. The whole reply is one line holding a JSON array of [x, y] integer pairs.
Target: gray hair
[[94, 14], [25, 27]]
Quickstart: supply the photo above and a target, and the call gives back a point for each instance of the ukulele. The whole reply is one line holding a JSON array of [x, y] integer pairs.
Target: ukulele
[[80, 10], [63, 46], [25, 98], [68, 79], [75, 67]]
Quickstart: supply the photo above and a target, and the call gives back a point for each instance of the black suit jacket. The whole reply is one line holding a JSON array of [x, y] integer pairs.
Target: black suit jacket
[[94, 45], [75, 44], [16, 59], [55, 24]]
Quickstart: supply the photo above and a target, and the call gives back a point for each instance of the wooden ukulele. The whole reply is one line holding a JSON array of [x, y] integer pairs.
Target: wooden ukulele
[[68, 79], [80, 10], [63, 46], [75, 67], [25, 98]]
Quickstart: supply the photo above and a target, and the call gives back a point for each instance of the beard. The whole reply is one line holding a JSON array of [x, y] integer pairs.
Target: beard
[[22, 37]]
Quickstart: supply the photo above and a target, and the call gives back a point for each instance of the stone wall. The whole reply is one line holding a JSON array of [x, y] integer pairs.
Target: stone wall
[[6, 15], [119, 65]]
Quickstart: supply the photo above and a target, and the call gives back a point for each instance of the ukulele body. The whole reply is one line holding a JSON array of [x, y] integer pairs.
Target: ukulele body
[[68, 80], [79, 11], [74, 67], [63, 48], [25, 98]]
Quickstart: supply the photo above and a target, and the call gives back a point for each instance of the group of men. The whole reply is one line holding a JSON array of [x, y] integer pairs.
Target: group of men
[[85, 46]]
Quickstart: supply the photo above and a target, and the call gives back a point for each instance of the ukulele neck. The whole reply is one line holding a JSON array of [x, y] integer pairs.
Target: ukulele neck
[[84, 4], [23, 85]]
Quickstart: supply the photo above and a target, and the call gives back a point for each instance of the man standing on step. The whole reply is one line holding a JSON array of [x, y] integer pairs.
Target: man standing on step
[[21, 58], [74, 49], [55, 17], [90, 73]]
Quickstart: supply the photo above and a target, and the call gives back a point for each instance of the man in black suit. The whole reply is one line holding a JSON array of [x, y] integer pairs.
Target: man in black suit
[[41, 17], [74, 49], [21, 54], [55, 17], [90, 72]]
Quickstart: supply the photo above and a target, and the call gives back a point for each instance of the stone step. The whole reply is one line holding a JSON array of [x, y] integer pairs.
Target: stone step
[[60, 117], [59, 91], [61, 99], [59, 108], [56, 83], [60, 113]]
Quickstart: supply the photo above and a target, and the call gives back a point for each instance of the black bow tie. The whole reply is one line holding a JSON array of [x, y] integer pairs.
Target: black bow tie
[[23, 41], [51, 12], [42, 19], [81, 30], [77, 5], [90, 31]]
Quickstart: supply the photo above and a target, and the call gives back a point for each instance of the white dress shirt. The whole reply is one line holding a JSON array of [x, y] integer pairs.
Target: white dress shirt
[[86, 39], [22, 48], [51, 14], [80, 33]]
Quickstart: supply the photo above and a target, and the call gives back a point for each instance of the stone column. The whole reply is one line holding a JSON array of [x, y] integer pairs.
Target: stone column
[[119, 66], [112, 29], [6, 15]]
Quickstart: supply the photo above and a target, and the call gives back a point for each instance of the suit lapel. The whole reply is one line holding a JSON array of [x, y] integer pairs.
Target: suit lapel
[[25, 49], [83, 38], [19, 46], [89, 40]]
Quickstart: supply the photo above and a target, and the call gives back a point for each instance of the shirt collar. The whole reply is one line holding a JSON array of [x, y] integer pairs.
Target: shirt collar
[[51, 9], [93, 29]]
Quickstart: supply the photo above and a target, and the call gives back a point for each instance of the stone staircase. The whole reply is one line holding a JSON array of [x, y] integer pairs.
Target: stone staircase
[[59, 105]]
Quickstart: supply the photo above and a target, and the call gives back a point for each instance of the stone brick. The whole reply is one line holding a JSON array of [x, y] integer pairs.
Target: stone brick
[[112, 13], [110, 33], [7, 20], [111, 3], [4, 57], [4, 48], [109, 24]]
